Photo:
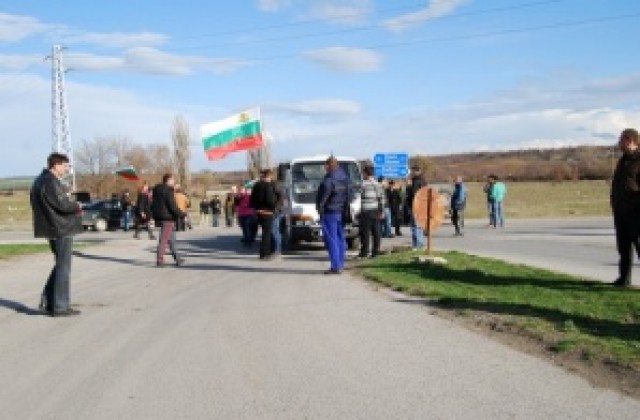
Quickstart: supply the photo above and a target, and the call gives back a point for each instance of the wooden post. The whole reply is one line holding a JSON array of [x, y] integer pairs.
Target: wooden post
[[429, 217]]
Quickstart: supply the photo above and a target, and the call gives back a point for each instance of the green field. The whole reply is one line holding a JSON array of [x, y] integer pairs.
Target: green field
[[593, 321]]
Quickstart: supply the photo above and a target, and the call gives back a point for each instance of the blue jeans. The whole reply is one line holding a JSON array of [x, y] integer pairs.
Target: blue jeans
[[215, 219], [334, 241], [417, 234], [55, 295], [249, 226], [126, 219], [276, 234], [385, 223], [497, 215]]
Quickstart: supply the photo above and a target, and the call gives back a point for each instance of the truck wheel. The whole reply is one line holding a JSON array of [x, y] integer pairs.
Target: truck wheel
[[101, 225], [353, 243]]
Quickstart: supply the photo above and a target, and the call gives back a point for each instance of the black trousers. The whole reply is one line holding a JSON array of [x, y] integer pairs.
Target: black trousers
[[395, 220], [265, 221], [369, 227], [627, 238], [457, 218]]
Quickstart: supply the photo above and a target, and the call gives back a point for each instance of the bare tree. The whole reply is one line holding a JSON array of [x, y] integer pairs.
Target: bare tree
[[181, 150]]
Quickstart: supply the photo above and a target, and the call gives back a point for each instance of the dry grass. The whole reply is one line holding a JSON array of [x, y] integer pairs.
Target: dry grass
[[545, 199], [524, 200]]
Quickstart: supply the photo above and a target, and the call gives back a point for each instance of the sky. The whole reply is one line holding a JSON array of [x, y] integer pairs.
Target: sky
[[350, 77]]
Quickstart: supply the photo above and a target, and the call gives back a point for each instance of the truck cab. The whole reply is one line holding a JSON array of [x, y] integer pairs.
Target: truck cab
[[300, 179]]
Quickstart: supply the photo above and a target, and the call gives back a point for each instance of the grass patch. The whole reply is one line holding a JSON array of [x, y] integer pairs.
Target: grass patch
[[14, 250], [593, 320]]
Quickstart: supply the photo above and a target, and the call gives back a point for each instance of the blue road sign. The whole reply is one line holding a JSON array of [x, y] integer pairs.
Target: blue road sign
[[391, 165]]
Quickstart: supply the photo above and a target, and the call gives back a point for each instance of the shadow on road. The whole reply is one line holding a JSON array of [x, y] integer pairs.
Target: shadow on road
[[20, 308]]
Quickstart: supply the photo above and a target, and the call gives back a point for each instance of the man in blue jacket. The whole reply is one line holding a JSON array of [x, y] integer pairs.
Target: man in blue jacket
[[458, 203], [56, 218], [333, 196]]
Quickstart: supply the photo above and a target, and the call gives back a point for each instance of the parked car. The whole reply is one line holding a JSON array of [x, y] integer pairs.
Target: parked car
[[102, 215]]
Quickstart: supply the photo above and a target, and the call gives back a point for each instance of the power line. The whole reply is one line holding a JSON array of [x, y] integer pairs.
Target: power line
[[340, 31], [481, 34]]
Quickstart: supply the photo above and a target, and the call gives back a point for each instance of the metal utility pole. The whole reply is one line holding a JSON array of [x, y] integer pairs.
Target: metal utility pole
[[60, 137]]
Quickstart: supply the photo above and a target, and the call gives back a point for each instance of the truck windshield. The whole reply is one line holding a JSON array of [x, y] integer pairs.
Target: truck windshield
[[307, 176]]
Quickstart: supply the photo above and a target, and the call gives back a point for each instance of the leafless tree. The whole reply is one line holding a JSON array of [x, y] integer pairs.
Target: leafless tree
[[181, 150]]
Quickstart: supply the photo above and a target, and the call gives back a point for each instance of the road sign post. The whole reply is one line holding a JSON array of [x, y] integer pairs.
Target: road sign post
[[391, 165]]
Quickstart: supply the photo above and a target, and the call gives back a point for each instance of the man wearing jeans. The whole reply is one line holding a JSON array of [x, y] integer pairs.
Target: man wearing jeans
[[416, 181], [166, 213], [56, 218]]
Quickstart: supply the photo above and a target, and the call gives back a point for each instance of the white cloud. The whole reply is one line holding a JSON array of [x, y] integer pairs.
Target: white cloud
[[148, 60], [117, 39], [344, 59], [19, 62], [434, 10], [341, 12], [273, 5], [15, 28], [318, 108]]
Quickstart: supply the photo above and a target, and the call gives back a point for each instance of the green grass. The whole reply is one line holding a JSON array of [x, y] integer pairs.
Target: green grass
[[594, 320], [13, 250]]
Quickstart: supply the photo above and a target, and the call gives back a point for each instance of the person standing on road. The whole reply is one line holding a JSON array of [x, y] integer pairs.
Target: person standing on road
[[143, 212], [395, 206], [229, 210], [246, 216], [498, 193], [263, 201], [458, 204], [416, 181], [166, 213], [385, 222], [487, 189], [371, 213], [204, 211], [216, 209], [334, 194], [126, 204], [625, 203], [183, 203], [56, 218], [276, 233]]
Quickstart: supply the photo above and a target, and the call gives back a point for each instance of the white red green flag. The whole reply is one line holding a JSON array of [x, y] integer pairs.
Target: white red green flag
[[242, 131], [128, 172]]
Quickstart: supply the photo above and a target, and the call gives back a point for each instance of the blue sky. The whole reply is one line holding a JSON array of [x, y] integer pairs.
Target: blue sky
[[353, 77]]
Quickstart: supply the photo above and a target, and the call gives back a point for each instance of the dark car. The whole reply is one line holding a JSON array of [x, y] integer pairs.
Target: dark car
[[102, 215]]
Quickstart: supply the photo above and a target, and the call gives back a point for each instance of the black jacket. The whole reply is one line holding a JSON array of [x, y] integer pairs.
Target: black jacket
[[417, 182], [163, 204], [263, 196], [143, 205], [54, 214], [625, 187]]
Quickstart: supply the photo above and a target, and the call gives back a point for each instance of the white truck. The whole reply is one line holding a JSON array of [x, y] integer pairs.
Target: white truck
[[299, 180]]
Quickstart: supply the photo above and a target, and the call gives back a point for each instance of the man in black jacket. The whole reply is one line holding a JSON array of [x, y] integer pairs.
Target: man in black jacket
[[56, 218], [263, 200], [625, 202], [143, 212], [166, 213], [416, 181]]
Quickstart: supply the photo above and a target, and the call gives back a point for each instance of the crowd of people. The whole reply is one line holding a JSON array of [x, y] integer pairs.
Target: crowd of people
[[260, 205]]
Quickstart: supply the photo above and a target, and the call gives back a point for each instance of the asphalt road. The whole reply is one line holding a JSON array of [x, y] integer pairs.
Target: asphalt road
[[228, 336]]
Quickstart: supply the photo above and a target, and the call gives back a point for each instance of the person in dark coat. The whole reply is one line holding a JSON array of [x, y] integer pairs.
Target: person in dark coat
[[216, 210], [395, 206], [166, 213], [625, 203], [334, 194], [263, 201], [143, 212], [416, 182], [58, 219]]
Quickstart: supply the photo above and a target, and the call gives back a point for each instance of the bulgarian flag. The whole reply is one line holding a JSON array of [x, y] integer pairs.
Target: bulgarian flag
[[128, 172], [240, 132]]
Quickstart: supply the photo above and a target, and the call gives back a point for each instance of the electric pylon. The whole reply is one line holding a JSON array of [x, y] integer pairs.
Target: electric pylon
[[60, 136]]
